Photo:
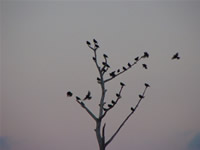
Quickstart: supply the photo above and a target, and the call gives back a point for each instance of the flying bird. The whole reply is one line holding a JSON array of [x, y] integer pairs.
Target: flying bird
[[176, 56], [88, 43], [69, 94], [88, 96], [145, 66]]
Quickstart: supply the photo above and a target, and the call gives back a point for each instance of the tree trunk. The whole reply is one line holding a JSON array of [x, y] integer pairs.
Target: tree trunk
[[100, 139]]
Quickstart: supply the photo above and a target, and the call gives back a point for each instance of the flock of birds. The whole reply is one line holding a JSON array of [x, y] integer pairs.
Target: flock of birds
[[112, 74]]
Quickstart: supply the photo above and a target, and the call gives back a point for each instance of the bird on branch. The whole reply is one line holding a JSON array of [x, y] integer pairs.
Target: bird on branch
[[95, 41], [147, 85], [112, 74]]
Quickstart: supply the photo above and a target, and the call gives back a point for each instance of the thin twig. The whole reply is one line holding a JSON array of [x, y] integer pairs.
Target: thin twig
[[87, 109], [122, 124], [123, 70]]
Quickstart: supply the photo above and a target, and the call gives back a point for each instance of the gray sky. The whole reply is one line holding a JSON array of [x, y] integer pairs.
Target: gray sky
[[44, 55]]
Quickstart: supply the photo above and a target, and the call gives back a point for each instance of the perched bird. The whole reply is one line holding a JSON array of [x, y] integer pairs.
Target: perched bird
[[95, 42], [145, 66], [113, 102], [132, 109], [88, 43], [88, 96], [124, 68], [146, 55], [78, 98], [118, 95], [98, 79], [112, 74], [110, 105], [105, 109], [69, 94], [137, 58], [122, 84], [94, 58], [141, 96], [129, 65], [103, 69], [96, 45], [105, 64], [118, 70], [176, 56], [147, 85], [105, 56]]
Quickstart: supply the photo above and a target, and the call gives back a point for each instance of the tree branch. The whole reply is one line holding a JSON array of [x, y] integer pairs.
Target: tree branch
[[87, 109], [123, 70], [122, 124], [105, 112]]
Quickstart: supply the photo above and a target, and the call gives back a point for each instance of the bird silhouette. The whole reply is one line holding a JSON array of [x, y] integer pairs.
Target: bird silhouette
[[88, 96], [105, 64], [122, 84], [145, 66], [94, 58], [147, 85], [113, 102], [95, 41], [78, 98], [141, 96], [132, 109], [96, 45], [146, 55], [110, 105], [118, 95], [137, 58], [129, 65], [105, 56], [176, 56], [105, 109], [69, 94], [88, 43], [112, 74], [124, 68], [118, 70]]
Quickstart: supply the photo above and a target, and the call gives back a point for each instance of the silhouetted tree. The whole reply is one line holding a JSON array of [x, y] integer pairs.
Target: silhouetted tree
[[101, 80]]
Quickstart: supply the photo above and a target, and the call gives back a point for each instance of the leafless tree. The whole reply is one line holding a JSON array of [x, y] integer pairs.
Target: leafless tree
[[104, 68]]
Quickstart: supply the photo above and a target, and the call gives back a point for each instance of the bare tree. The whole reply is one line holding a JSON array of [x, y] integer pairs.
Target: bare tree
[[103, 68]]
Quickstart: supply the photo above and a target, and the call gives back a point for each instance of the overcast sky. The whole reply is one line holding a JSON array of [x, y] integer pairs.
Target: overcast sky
[[44, 54]]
